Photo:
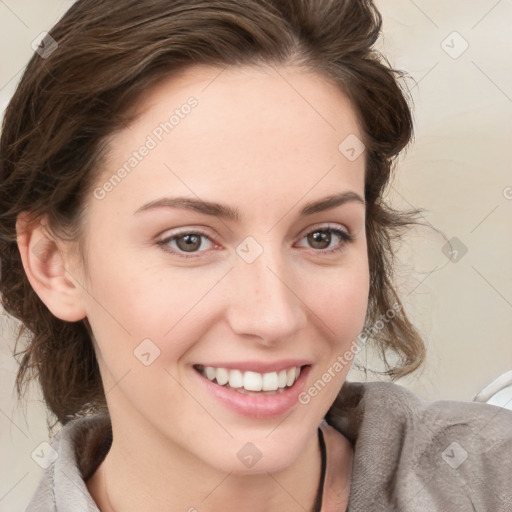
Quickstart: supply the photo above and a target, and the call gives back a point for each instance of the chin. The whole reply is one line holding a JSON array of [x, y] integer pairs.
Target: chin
[[262, 455]]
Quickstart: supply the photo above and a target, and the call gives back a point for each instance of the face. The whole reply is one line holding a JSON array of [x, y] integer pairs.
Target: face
[[225, 241]]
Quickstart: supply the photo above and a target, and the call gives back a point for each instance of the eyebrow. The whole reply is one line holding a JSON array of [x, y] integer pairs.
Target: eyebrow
[[233, 214]]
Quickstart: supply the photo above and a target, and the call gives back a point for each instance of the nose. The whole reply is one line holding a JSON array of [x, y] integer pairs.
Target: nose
[[265, 301]]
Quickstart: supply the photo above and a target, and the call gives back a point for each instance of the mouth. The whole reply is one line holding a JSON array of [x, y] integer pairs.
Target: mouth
[[252, 382], [255, 389]]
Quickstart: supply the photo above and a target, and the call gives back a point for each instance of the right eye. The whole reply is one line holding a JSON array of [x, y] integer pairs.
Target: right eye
[[185, 242]]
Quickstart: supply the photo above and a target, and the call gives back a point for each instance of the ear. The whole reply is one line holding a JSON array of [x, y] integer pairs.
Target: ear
[[44, 260]]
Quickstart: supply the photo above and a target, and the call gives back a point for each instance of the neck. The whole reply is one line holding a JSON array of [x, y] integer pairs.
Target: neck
[[139, 473]]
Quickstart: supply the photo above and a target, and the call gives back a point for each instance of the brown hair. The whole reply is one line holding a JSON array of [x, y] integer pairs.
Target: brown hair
[[56, 129]]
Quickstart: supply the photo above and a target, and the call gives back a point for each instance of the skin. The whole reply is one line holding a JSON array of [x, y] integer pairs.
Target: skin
[[255, 144]]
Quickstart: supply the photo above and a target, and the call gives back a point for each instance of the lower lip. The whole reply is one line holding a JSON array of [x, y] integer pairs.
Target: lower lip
[[257, 406]]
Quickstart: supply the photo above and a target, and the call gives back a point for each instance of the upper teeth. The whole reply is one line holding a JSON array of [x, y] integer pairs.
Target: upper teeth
[[252, 381]]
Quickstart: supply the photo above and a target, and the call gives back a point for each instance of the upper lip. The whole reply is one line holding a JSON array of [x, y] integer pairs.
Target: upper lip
[[258, 366]]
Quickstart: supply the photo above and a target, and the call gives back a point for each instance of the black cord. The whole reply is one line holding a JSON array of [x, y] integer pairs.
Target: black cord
[[320, 492]]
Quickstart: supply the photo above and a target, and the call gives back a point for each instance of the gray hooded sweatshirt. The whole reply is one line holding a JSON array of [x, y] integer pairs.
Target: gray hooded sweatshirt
[[410, 455]]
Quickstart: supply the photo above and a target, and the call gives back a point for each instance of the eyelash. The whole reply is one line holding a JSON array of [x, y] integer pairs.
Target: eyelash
[[343, 235]]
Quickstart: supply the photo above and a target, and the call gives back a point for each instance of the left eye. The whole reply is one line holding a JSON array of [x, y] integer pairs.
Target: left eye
[[192, 242], [321, 239]]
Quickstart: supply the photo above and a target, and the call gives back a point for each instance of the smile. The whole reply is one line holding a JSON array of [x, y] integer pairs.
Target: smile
[[250, 381]]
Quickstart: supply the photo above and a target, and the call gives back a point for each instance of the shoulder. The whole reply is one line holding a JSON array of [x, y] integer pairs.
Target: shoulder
[[76, 451], [430, 454], [399, 406]]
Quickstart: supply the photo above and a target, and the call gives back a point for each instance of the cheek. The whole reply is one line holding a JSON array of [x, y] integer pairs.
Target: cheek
[[340, 312], [341, 300], [129, 304]]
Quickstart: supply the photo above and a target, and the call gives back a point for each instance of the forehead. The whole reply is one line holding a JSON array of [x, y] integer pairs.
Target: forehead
[[209, 131]]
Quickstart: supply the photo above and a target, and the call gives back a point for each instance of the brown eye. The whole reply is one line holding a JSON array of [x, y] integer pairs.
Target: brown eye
[[319, 239], [327, 239], [189, 243]]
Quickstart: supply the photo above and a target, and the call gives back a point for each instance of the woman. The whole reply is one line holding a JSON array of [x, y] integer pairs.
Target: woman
[[194, 233]]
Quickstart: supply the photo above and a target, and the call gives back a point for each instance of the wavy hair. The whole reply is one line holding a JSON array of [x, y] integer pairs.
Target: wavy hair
[[107, 53]]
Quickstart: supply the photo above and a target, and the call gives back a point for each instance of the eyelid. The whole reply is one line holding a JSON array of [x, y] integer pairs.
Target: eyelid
[[324, 226]]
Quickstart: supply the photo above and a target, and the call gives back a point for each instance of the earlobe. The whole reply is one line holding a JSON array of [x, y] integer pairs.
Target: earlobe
[[43, 260]]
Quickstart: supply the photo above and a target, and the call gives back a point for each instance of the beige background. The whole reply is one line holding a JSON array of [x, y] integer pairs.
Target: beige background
[[458, 171]]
